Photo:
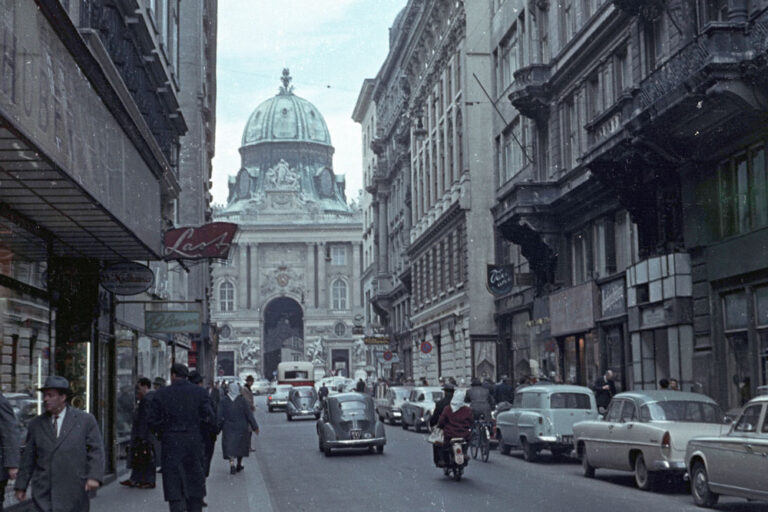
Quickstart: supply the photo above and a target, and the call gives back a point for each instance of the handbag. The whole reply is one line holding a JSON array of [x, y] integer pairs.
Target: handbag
[[435, 436]]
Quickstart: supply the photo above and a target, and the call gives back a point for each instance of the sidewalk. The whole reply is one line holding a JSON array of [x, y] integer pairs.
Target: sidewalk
[[243, 491]]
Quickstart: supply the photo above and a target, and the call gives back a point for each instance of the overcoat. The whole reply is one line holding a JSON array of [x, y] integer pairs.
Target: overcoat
[[177, 414], [57, 468], [235, 421], [140, 429], [9, 439]]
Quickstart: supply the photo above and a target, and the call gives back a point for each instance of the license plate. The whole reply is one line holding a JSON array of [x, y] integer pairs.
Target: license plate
[[355, 434]]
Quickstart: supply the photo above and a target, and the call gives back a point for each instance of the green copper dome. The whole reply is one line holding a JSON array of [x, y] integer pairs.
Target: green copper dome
[[286, 118]]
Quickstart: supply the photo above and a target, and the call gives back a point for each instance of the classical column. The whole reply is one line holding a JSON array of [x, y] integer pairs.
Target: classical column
[[255, 270], [309, 276], [242, 277], [355, 284], [322, 288]]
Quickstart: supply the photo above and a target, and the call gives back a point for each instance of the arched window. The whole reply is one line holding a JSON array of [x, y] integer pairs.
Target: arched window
[[226, 297], [339, 294]]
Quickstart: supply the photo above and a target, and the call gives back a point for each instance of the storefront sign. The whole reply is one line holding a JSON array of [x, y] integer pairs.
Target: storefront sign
[[572, 310], [127, 278], [500, 279], [172, 321], [612, 295], [653, 317], [376, 340], [194, 243]]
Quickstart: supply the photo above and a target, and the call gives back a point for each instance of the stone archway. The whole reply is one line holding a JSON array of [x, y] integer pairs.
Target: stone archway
[[283, 333]]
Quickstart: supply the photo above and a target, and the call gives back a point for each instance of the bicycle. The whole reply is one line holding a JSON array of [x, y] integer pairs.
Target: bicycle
[[481, 439]]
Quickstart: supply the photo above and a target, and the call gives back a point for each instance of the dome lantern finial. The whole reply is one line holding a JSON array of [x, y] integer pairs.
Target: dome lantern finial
[[287, 88]]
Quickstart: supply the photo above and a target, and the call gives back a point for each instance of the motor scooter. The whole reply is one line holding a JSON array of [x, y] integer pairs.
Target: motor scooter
[[455, 457]]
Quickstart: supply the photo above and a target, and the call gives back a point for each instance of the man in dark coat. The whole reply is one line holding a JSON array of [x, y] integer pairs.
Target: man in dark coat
[[236, 422], [9, 446], [480, 400], [604, 389], [360, 386], [64, 454], [210, 432], [504, 391], [176, 415], [142, 455], [448, 391]]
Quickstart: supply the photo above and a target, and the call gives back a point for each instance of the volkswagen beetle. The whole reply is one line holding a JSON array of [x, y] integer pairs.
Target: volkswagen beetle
[[302, 401], [348, 420]]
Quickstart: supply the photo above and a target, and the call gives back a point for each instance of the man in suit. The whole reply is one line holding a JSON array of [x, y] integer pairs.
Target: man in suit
[[604, 389], [248, 395], [64, 454], [178, 414], [142, 458], [9, 444]]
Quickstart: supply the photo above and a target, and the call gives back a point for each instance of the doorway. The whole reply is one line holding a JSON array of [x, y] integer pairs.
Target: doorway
[[283, 332]]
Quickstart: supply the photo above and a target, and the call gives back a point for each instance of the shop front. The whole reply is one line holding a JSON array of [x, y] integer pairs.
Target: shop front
[[612, 329], [573, 314]]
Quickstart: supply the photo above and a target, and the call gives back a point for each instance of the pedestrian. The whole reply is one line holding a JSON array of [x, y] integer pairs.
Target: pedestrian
[[674, 385], [9, 446], [664, 384], [360, 386], [604, 389], [142, 448], [158, 383], [424, 381], [504, 390], [323, 392], [480, 400], [215, 394], [234, 420], [248, 395], [209, 431], [177, 415], [64, 455]]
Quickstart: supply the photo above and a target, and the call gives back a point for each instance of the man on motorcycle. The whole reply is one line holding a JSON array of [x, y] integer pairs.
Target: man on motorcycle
[[448, 390], [480, 400], [456, 422]]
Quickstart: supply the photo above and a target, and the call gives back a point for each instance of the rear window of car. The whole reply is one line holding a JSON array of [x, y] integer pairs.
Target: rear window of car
[[686, 410], [296, 374], [437, 395], [352, 405], [304, 393], [569, 401], [530, 401]]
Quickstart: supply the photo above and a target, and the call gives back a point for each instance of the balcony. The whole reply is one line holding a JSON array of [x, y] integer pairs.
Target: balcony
[[530, 90], [383, 283]]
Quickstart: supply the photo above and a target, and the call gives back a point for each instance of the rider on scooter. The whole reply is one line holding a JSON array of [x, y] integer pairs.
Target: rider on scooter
[[456, 422]]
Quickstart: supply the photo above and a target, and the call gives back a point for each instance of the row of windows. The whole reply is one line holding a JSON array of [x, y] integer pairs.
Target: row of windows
[[339, 296], [440, 269], [743, 192], [603, 247]]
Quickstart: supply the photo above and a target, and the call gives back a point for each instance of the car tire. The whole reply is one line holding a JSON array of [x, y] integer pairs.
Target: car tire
[[644, 479], [269, 409], [700, 492], [327, 450], [587, 468], [403, 424], [380, 449], [289, 417], [503, 447], [530, 452], [320, 444]]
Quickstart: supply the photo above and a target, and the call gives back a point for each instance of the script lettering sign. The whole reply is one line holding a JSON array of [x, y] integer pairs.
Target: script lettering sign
[[500, 279], [194, 243], [127, 278]]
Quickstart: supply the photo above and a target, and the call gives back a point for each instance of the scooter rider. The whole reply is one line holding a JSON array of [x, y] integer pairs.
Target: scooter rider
[[480, 400], [448, 390]]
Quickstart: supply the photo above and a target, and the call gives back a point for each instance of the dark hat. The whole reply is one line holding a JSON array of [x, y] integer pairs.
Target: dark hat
[[55, 382], [449, 387], [195, 377], [180, 370], [159, 381]]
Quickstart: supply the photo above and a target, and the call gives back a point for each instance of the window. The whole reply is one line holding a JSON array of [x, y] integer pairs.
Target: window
[[645, 413], [226, 297], [742, 189], [628, 412], [531, 401], [339, 294], [735, 307], [510, 58], [749, 418], [569, 401], [338, 255], [713, 10], [623, 71], [614, 411], [582, 257], [571, 132]]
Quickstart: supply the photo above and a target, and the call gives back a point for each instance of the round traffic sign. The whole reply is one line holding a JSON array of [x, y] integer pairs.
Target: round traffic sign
[[388, 355], [426, 347]]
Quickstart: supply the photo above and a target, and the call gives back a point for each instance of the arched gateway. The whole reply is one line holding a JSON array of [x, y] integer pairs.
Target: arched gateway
[[283, 333]]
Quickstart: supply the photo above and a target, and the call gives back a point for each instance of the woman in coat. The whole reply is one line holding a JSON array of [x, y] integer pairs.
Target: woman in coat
[[235, 418]]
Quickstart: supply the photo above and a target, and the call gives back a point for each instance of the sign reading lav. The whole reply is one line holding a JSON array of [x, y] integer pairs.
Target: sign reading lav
[[172, 321], [193, 243], [501, 279], [127, 278]]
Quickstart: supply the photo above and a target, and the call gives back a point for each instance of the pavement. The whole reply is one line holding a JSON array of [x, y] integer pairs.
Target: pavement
[[288, 473]]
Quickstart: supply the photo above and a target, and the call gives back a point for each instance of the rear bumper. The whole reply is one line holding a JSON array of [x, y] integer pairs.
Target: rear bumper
[[277, 403], [357, 443], [303, 412], [672, 466]]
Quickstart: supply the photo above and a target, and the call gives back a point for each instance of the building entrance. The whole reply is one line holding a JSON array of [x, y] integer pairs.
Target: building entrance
[[283, 334]]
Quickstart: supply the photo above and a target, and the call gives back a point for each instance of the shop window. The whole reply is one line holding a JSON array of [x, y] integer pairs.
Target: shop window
[[735, 311], [226, 297], [339, 294]]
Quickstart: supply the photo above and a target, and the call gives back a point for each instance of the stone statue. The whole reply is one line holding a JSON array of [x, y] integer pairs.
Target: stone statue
[[315, 351], [281, 177], [358, 349], [250, 352]]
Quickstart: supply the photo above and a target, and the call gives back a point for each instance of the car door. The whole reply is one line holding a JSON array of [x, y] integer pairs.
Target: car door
[[514, 420], [627, 434], [755, 461], [600, 450], [727, 464]]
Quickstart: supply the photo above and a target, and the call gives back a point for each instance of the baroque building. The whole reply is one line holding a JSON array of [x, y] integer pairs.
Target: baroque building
[[432, 191], [291, 287]]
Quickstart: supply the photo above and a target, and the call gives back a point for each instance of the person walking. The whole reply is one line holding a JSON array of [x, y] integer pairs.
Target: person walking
[[360, 386], [64, 454], [248, 395], [604, 389], [215, 395], [9, 444], [178, 414], [504, 390], [142, 453], [323, 392], [234, 419], [210, 431]]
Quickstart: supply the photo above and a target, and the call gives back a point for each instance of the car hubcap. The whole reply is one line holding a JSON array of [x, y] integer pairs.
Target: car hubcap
[[700, 483], [642, 473]]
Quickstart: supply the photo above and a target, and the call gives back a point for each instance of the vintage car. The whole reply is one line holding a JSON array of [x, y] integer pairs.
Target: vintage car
[[646, 432], [419, 407], [542, 417], [735, 463], [348, 420], [261, 387], [389, 407], [278, 399], [302, 401]]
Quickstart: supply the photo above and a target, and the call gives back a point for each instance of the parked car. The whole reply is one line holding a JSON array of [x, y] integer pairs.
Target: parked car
[[735, 463], [302, 401], [646, 432], [348, 420], [261, 387], [278, 399], [542, 417], [419, 407], [389, 408]]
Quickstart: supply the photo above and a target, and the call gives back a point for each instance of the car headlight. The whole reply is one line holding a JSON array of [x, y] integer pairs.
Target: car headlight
[[367, 435]]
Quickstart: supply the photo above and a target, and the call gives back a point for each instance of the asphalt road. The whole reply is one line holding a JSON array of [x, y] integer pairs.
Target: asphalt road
[[300, 478]]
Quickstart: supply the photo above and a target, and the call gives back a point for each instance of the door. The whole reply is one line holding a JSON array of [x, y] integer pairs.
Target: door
[[755, 447], [626, 435], [601, 432], [728, 463]]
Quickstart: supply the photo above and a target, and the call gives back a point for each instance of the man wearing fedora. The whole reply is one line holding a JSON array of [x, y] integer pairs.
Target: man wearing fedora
[[64, 454], [179, 415]]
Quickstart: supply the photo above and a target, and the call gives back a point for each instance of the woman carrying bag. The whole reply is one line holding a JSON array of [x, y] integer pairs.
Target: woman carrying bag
[[436, 437]]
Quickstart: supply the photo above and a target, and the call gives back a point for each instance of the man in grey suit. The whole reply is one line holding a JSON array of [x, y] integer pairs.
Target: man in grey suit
[[64, 454], [9, 446]]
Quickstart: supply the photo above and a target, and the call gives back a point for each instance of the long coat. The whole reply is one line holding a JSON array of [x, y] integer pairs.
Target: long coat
[[235, 422], [140, 429], [9, 438], [59, 467], [177, 414]]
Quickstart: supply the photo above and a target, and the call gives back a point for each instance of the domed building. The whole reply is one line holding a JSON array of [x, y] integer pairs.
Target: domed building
[[290, 290]]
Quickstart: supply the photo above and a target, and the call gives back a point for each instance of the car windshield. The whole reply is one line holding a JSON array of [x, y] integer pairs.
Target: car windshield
[[401, 394], [569, 401], [283, 389], [686, 410]]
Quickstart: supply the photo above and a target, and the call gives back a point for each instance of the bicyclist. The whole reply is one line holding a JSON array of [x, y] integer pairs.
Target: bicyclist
[[480, 400]]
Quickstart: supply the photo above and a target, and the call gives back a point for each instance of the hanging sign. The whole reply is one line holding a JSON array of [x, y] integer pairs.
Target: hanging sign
[[128, 278], [500, 279], [194, 243], [376, 340], [172, 321]]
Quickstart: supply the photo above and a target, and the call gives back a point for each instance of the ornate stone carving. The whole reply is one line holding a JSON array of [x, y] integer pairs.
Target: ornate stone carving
[[250, 352], [315, 351], [283, 279], [281, 177]]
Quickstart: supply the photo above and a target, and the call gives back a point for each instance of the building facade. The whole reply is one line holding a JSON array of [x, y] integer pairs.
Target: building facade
[[291, 287]]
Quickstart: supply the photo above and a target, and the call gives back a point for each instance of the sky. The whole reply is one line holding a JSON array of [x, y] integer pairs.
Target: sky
[[330, 46]]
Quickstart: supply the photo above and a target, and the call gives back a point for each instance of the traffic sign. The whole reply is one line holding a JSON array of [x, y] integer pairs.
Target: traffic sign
[[388, 355], [426, 347]]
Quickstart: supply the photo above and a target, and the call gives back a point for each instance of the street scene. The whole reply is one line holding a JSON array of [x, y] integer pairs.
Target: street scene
[[393, 254]]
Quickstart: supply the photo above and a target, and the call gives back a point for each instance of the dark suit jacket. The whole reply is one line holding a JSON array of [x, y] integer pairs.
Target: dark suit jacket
[[58, 467], [603, 396], [9, 438]]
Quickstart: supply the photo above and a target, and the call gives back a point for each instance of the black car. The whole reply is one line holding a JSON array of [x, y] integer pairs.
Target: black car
[[302, 401], [348, 420]]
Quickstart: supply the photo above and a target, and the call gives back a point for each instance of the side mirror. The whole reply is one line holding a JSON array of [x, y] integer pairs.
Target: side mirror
[[727, 420]]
